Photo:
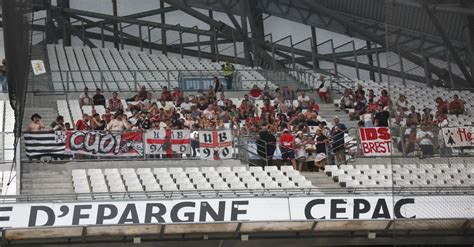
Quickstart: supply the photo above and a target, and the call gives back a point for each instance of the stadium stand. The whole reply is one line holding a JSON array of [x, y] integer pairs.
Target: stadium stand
[[74, 68]]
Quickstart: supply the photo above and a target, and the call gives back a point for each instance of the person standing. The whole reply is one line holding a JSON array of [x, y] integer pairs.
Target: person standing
[[300, 150], [266, 145], [287, 144], [337, 134], [228, 69]]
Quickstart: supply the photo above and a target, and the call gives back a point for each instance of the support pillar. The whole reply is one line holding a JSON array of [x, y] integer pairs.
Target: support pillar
[[163, 31], [315, 47], [212, 38], [115, 13], [66, 32], [371, 61], [243, 24]]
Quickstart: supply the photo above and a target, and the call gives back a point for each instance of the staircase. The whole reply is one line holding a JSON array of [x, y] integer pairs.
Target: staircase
[[46, 181], [320, 180]]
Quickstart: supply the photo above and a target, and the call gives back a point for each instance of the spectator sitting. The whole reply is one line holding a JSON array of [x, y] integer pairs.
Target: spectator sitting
[[371, 95], [384, 98], [36, 124], [441, 106], [303, 100], [142, 93], [177, 95], [368, 119], [58, 124], [97, 123], [98, 98], [67, 126], [115, 103], [266, 94], [456, 106], [255, 93], [401, 104], [425, 139], [360, 90], [107, 116], [359, 109], [414, 117], [85, 99], [82, 124], [427, 117], [347, 100], [165, 94], [186, 105], [119, 123]]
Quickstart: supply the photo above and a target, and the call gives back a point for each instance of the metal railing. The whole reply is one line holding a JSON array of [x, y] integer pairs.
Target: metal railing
[[186, 79]]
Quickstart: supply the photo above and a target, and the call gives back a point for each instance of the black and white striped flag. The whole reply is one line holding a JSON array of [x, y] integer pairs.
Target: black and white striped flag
[[44, 143]]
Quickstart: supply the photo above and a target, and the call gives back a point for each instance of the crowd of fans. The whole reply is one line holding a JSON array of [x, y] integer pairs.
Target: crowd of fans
[[305, 136]]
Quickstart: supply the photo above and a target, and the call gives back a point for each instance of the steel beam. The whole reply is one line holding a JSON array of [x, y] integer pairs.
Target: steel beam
[[448, 44], [163, 30], [321, 10]]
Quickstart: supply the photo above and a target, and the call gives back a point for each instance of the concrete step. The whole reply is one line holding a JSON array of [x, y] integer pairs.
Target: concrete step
[[46, 185], [50, 191]]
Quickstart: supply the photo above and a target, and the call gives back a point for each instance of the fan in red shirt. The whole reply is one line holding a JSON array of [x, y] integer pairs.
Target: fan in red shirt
[[81, 124], [287, 142], [442, 105], [456, 106], [177, 94], [165, 94], [256, 93]]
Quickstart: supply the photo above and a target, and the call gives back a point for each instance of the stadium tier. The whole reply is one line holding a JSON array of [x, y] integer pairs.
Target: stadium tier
[[74, 68], [238, 179]]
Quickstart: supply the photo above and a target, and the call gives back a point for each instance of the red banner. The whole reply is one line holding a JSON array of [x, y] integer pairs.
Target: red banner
[[104, 143], [375, 141]]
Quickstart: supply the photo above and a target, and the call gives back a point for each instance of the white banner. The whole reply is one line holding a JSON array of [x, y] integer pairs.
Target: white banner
[[236, 209], [375, 141], [215, 145], [458, 137], [168, 142]]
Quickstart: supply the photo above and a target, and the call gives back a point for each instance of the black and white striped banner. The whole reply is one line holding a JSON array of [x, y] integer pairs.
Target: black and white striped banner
[[44, 143]]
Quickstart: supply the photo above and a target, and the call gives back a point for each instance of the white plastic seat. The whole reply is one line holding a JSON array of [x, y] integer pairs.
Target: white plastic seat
[[305, 184], [254, 185], [239, 169], [207, 169], [286, 168], [222, 169]]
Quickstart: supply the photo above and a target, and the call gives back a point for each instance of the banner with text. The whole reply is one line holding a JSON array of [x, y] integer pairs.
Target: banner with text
[[167, 142], [115, 212], [215, 145], [104, 143], [458, 137], [375, 141]]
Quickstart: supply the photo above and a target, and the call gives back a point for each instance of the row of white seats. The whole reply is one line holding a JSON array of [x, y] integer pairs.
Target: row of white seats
[[188, 179], [80, 67], [403, 175]]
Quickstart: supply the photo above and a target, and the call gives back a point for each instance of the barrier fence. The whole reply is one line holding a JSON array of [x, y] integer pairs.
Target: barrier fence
[[227, 144]]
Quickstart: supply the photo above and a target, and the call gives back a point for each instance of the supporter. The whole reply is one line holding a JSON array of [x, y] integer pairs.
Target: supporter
[[287, 93], [372, 95], [411, 140], [360, 90], [82, 124], [228, 69], [67, 126], [186, 105], [148, 101], [401, 104], [212, 94], [303, 100], [427, 117], [266, 94], [165, 94], [255, 93], [3, 68], [218, 87], [85, 99], [414, 117], [337, 135], [323, 90], [372, 105], [115, 103], [107, 116], [347, 100], [313, 106], [359, 108], [300, 150], [321, 142], [266, 145], [441, 106], [268, 108], [58, 124], [384, 99], [36, 124], [426, 140], [195, 139], [135, 103], [456, 106], [382, 117], [142, 93], [143, 122], [368, 119], [97, 123], [98, 98], [177, 95], [287, 143], [119, 122], [221, 102]]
